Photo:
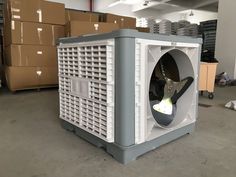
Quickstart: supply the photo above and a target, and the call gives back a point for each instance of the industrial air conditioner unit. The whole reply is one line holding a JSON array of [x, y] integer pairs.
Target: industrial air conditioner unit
[[129, 92]]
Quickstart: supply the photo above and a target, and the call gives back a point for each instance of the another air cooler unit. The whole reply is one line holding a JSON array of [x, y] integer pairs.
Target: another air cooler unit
[[129, 92]]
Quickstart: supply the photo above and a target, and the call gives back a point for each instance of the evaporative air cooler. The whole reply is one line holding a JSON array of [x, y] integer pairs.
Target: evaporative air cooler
[[128, 92]]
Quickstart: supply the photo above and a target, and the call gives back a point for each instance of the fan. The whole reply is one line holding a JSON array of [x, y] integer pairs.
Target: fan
[[164, 94]]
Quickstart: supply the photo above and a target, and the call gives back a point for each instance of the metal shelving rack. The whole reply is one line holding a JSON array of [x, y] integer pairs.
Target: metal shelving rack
[[1, 12], [208, 31]]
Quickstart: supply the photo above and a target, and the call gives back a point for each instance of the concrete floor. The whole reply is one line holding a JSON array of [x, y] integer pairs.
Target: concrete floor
[[32, 143]]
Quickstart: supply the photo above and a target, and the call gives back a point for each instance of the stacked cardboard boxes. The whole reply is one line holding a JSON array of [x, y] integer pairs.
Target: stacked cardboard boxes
[[31, 29], [85, 23], [143, 30], [122, 21], [75, 15]]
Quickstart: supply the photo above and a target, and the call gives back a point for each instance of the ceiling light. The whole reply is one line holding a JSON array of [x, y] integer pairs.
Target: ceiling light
[[191, 13], [146, 3]]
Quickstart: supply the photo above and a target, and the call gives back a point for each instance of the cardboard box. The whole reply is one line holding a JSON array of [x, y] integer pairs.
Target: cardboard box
[[21, 78], [53, 13], [29, 33], [207, 75], [122, 21], [144, 30], [35, 11], [75, 15], [31, 55], [78, 28]]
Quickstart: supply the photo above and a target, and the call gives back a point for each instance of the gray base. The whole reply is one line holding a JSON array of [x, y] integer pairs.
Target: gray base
[[130, 153]]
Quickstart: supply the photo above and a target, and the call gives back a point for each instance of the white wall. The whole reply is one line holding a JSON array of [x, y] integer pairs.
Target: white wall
[[121, 9], [75, 4], [101, 6], [198, 17], [225, 38]]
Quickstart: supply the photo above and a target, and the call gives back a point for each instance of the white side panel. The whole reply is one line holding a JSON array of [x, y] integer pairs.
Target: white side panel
[[140, 78], [86, 86]]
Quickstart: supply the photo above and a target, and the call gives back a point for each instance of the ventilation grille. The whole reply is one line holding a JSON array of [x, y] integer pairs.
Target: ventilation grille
[[86, 85]]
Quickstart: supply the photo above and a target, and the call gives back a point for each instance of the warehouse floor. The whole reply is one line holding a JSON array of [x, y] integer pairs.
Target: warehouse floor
[[32, 143]]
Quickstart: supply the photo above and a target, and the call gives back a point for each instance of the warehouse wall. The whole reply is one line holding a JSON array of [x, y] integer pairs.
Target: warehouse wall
[[126, 9], [101, 5], [121, 9], [74, 4], [225, 38], [198, 17], [153, 13]]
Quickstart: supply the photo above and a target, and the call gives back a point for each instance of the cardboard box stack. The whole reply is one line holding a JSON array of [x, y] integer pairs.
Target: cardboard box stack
[[143, 30], [122, 21], [76, 15], [85, 23], [31, 29]]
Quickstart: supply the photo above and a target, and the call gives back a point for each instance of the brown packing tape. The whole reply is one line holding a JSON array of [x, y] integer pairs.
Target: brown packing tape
[[11, 11], [40, 52], [40, 14], [16, 16], [20, 55], [13, 25], [39, 30], [68, 15], [22, 33], [96, 26], [53, 35], [39, 75], [122, 22], [15, 10], [27, 60]]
